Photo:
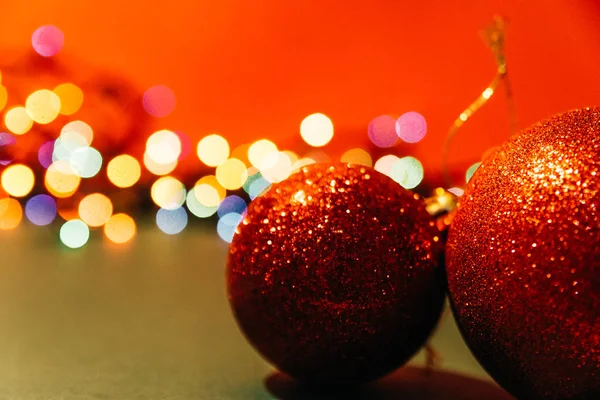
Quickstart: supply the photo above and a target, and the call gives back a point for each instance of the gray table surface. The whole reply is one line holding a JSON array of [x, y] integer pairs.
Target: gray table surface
[[151, 321]]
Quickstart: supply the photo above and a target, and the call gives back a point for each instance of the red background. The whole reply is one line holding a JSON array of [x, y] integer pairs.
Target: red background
[[253, 69]]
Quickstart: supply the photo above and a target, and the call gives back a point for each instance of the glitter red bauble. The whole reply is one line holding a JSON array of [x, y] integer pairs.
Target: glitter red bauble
[[523, 260], [334, 274]]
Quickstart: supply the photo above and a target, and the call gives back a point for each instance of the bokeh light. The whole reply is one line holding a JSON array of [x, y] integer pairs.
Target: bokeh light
[[95, 209], [232, 174], [316, 129], [408, 172], [227, 225], [232, 204], [43, 106], [45, 153], [17, 180], [75, 130], [163, 147], [18, 121], [159, 101], [471, 171], [158, 168], [168, 193], [11, 214], [256, 185], [197, 208], [259, 150], [86, 161], [120, 228], [47, 40], [213, 150], [276, 166], [3, 97], [411, 127], [61, 179], [71, 98], [41, 210], [208, 191], [6, 140], [357, 156], [385, 164], [241, 153], [382, 131], [172, 222], [74, 233], [123, 171]]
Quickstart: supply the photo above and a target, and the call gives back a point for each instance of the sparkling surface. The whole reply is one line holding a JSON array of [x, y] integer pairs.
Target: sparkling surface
[[333, 275], [523, 260]]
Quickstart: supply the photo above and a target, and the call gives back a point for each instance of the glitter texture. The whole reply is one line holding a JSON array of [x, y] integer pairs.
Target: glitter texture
[[523, 260], [334, 274]]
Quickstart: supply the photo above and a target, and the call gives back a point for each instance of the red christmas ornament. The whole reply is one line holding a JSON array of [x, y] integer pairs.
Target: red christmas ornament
[[334, 274], [523, 260]]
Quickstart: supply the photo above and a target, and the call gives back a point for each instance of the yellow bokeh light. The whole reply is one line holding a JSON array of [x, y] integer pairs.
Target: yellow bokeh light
[[163, 147], [17, 180], [71, 98], [3, 97], [232, 174], [18, 121], [168, 193], [241, 153], [95, 209], [316, 130], [78, 129], [357, 156], [158, 168], [209, 192], [11, 214], [120, 228], [61, 179], [302, 163], [213, 150], [124, 171], [276, 167], [43, 106], [259, 150]]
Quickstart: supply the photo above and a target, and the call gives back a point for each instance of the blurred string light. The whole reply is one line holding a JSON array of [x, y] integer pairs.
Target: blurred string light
[[213, 150], [411, 127], [18, 121], [251, 167], [159, 101], [61, 179], [11, 214], [6, 140], [120, 228], [3, 97], [95, 209], [168, 193], [41, 209], [382, 131], [17, 180], [74, 233], [316, 129], [357, 156], [124, 171], [71, 98], [43, 106], [47, 40], [172, 222]]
